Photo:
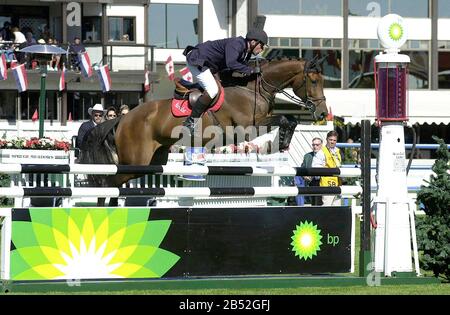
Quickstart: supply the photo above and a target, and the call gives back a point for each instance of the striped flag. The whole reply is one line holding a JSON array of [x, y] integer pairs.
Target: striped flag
[[104, 77], [170, 68], [85, 64], [186, 74], [146, 81], [20, 75], [35, 115], [3, 69], [62, 79]]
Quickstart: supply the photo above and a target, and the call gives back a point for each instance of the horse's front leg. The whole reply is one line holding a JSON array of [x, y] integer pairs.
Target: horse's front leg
[[286, 124]]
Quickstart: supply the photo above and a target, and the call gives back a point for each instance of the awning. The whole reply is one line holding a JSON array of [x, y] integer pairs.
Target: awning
[[356, 104]]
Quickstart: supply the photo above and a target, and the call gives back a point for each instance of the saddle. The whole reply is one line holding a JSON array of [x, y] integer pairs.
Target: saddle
[[185, 90], [186, 93]]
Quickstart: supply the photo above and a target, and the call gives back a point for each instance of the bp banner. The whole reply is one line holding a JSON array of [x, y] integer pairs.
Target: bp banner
[[114, 243]]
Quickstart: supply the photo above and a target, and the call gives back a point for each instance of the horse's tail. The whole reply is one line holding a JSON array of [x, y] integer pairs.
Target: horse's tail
[[99, 148]]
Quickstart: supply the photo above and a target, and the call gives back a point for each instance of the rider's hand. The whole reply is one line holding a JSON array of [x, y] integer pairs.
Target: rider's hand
[[237, 74], [257, 70]]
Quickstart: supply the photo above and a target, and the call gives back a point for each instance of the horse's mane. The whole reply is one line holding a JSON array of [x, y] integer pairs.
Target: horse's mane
[[228, 80]]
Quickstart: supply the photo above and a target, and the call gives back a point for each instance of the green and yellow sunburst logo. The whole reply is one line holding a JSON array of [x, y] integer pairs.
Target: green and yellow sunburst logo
[[84, 243], [395, 31], [306, 240]]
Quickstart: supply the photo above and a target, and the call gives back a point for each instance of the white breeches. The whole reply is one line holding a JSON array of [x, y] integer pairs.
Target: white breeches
[[206, 80]]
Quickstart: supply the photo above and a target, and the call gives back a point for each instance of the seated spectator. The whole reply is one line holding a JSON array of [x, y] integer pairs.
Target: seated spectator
[[5, 32], [97, 112], [111, 113], [124, 109], [54, 63]]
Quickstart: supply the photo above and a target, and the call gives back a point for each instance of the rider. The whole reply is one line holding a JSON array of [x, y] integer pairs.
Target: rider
[[210, 57]]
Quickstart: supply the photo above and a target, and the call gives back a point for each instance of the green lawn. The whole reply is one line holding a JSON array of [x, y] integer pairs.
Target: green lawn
[[430, 289]]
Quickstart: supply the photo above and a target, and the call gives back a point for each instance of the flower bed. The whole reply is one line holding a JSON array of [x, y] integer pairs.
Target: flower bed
[[35, 144]]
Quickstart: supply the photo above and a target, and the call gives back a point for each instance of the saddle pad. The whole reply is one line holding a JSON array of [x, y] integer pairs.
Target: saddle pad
[[182, 108]]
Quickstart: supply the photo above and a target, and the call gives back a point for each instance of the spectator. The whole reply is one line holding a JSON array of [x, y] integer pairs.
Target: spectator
[[316, 145], [75, 50], [5, 32], [56, 59], [330, 156], [19, 42], [111, 113], [124, 109], [30, 39], [45, 33], [96, 114]]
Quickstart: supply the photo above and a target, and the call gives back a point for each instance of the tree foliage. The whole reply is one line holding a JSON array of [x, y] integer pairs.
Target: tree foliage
[[433, 230]]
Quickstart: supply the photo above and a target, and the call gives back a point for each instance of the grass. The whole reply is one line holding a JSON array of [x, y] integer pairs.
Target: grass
[[430, 289]]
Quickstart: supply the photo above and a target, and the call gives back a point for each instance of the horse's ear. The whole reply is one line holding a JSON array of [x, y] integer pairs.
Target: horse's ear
[[321, 60], [311, 64]]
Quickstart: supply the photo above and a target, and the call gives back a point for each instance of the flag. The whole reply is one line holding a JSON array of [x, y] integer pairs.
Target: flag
[[62, 79], [35, 115], [146, 82], [85, 64], [186, 74], [3, 69], [170, 68], [20, 75], [104, 77]]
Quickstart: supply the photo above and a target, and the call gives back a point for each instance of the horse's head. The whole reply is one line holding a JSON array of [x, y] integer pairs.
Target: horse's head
[[305, 79], [311, 82]]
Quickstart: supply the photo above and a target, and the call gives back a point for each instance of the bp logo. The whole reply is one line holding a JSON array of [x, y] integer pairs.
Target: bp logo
[[306, 240], [76, 243], [395, 31]]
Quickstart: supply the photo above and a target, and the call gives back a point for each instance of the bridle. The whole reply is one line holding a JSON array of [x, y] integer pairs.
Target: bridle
[[310, 103]]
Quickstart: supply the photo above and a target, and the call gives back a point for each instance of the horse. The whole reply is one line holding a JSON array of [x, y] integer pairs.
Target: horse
[[145, 135]]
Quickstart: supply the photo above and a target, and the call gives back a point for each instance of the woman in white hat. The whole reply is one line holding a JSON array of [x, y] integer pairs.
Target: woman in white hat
[[97, 112]]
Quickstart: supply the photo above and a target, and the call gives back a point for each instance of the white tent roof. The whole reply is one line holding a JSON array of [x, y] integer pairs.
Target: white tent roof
[[357, 104]]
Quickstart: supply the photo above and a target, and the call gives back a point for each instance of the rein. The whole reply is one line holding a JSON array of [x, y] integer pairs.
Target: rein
[[296, 100]]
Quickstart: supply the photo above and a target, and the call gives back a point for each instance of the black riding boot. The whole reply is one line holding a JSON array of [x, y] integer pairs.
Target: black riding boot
[[200, 106]]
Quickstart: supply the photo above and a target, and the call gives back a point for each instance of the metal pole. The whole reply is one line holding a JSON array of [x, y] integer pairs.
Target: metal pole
[[42, 101], [365, 256]]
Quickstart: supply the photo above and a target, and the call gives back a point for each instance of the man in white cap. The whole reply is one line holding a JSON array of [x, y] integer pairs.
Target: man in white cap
[[97, 112]]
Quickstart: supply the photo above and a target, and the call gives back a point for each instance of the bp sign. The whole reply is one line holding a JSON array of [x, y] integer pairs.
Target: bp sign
[[392, 31]]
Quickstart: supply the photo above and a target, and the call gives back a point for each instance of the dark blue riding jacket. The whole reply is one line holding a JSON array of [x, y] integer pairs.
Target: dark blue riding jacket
[[220, 55]]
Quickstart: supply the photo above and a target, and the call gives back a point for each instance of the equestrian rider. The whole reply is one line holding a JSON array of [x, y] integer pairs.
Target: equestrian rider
[[208, 58]]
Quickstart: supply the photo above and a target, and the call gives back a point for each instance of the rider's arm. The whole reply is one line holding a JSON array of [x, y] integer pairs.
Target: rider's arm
[[233, 52]]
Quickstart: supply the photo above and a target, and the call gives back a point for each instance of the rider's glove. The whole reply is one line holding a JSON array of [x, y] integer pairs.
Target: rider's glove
[[257, 70]]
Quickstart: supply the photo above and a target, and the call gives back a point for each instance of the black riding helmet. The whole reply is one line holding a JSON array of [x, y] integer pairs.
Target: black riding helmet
[[258, 35]]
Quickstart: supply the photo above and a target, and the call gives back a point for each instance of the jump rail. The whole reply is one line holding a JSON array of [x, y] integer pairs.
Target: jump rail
[[19, 192], [111, 169]]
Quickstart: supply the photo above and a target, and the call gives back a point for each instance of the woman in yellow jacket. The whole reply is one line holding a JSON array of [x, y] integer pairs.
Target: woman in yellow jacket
[[330, 157]]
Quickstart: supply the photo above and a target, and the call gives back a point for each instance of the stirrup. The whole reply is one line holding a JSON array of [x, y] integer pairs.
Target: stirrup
[[190, 124]]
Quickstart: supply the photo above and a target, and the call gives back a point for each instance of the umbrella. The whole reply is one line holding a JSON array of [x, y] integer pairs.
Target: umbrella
[[43, 49]]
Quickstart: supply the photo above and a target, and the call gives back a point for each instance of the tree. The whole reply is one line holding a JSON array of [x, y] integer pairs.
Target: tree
[[433, 230]]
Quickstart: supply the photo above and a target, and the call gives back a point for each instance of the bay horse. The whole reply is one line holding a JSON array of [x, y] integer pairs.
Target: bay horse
[[145, 134]]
